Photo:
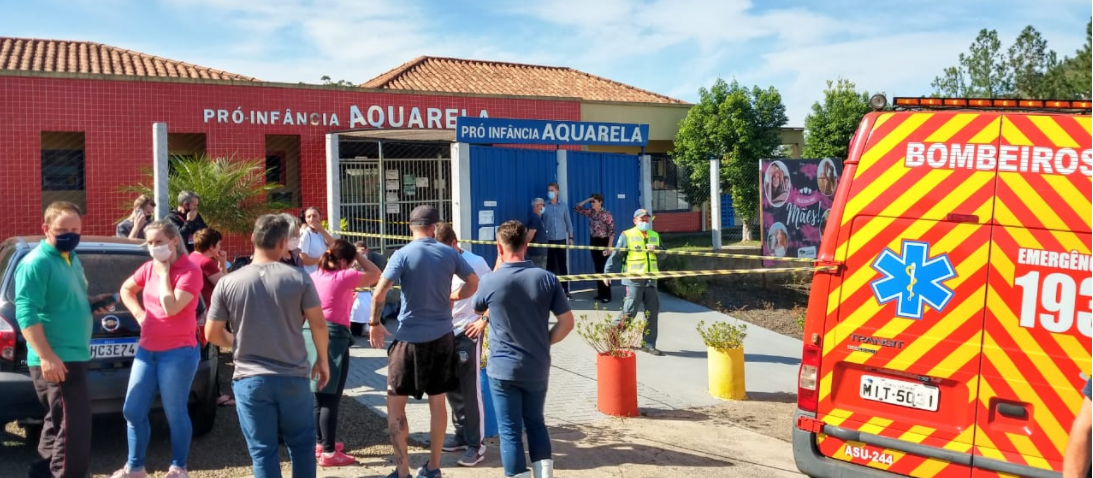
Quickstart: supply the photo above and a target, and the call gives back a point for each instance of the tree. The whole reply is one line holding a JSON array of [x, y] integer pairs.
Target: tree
[[1072, 77], [983, 72], [739, 125], [234, 192], [330, 82], [830, 125]]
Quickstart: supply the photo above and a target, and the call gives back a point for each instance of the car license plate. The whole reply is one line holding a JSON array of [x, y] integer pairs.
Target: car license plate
[[898, 392], [113, 348]]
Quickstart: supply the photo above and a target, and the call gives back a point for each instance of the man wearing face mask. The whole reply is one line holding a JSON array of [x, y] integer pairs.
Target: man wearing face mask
[[559, 231], [186, 218], [54, 313], [640, 251]]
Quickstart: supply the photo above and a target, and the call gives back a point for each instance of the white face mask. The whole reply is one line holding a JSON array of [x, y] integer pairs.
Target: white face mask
[[161, 252], [293, 243]]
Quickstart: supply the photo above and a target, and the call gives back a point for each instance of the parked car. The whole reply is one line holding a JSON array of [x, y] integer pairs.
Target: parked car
[[107, 262]]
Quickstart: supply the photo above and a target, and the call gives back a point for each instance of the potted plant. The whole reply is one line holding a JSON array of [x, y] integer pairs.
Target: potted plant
[[725, 358], [489, 416], [616, 365]]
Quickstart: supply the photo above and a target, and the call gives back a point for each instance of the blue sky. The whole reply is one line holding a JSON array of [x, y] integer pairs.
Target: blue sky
[[672, 47]]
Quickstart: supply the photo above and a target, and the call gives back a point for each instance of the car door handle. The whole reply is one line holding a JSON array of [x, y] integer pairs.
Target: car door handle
[[1013, 410], [954, 217]]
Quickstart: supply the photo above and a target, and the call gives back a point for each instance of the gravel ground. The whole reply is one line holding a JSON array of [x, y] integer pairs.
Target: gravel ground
[[778, 307], [220, 454]]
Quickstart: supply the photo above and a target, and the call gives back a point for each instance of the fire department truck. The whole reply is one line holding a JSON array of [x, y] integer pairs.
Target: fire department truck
[[949, 333]]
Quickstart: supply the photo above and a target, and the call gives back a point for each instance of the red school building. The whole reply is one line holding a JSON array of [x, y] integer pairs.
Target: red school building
[[76, 118]]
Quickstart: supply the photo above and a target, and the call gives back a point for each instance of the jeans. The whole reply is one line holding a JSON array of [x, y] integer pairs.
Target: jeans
[[516, 402], [647, 296], [466, 400], [556, 261], [169, 374], [603, 291], [269, 405]]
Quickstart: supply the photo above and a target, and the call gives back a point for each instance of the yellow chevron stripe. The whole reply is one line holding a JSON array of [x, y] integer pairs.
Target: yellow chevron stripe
[[1085, 122], [1075, 348], [1075, 198], [881, 119], [1000, 359], [917, 434], [989, 133], [967, 310], [959, 357], [1028, 344], [1028, 450], [1013, 135], [932, 466], [1021, 235], [1039, 208], [1053, 131], [894, 138], [826, 382], [836, 417], [1071, 241], [963, 442], [875, 425], [983, 443], [929, 468], [1004, 268]]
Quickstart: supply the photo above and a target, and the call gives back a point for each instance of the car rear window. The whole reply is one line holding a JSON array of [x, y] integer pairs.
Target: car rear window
[[105, 272]]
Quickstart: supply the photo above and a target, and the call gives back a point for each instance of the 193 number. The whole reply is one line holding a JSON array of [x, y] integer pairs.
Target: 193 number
[[1058, 295]]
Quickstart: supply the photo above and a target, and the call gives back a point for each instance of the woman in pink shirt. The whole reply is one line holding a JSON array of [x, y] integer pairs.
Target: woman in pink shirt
[[335, 280], [167, 354]]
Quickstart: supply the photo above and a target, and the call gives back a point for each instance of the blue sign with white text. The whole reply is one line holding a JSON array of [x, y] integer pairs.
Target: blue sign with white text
[[475, 130]]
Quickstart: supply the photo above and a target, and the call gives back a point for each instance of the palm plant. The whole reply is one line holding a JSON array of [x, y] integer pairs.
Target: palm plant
[[234, 192]]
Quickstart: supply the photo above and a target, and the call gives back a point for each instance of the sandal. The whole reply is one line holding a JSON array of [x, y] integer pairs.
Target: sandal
[[225, 401]]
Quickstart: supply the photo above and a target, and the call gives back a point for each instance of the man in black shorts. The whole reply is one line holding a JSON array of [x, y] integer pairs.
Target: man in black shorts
[[421, 360]]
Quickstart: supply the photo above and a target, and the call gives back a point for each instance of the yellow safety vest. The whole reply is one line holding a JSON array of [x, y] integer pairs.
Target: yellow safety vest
[[639, 259]]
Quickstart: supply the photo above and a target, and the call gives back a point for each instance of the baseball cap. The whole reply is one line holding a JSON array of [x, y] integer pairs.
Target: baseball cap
[[424, 215], [641, 213]]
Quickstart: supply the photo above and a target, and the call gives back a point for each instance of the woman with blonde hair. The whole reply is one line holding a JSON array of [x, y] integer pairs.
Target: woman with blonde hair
[[167, 353]]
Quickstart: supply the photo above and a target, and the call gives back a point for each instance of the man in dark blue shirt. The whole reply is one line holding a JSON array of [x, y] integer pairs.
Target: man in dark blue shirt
[[537, 234], [1076, 460], [520, 298]]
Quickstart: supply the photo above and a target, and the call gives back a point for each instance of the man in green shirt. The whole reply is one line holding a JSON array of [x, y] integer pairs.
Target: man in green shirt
[[54, 313]]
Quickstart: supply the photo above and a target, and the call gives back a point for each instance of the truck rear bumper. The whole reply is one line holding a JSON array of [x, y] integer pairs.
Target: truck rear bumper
[[812, 463]]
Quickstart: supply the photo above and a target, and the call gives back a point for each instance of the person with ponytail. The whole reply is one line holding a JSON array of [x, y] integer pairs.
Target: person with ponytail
[[167, 353], [336, 282]]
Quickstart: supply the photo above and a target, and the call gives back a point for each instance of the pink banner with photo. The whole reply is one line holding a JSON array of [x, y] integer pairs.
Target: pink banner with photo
[[795, 200]]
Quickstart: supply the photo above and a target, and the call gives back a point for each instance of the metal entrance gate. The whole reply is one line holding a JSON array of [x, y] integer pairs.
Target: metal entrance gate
[[382, 181]]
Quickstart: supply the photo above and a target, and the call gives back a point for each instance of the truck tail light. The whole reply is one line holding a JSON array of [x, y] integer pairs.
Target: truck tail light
[[7, 341], [808, 396]]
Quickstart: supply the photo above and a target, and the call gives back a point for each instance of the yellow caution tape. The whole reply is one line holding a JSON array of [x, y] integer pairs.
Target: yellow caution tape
[[722, 255], [380, 220], [666, 274]]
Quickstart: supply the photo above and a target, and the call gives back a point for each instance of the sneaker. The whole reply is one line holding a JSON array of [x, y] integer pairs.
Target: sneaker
[[472, 457], [652, 351], [425, 472], [125, 473], [455, 443], [176, 472], [336, 459], [394, 474], [338, 447]]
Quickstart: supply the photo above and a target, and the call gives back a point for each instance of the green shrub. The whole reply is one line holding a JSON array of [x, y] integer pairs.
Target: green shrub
[[610, 339], [722, 335], [687, 288]]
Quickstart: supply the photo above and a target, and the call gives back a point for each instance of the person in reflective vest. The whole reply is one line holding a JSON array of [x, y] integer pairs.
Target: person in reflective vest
[[640, 251]]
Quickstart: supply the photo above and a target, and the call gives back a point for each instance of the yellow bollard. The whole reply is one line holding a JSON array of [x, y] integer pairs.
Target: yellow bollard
[[726, 369]]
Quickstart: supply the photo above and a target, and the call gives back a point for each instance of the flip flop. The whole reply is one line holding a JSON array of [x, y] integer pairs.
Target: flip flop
[[225, 401]]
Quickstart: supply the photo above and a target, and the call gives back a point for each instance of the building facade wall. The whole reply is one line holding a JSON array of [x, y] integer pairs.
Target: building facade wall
[[115, 118]]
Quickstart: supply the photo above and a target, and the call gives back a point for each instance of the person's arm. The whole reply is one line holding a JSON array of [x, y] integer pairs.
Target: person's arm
[[470, 286], [1077, 457], [376, 332], [562, 328], [327, 237], [189, 227], [618, 256], [221, 270], [531, 235], [216, 331], [305, 244], [30, 290], [320, 372], [370, 274], [129, 291], [173, 299], [568, 224], [138, 226]]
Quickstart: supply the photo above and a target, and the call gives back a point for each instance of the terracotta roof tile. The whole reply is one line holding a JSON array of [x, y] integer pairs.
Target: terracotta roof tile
[[453, 75], [32, 54]]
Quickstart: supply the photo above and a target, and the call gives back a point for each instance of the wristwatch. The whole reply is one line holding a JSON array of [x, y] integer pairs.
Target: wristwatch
[[485, 318]]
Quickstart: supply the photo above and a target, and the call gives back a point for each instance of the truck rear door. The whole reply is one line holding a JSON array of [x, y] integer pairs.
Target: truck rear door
[[899, 378], [1038, 326]]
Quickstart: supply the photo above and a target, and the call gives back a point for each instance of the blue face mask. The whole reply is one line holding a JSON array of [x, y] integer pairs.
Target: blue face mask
[[644, 226], [552, 194]]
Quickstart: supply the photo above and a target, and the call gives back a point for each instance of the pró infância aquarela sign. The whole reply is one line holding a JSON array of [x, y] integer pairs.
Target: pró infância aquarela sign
[[374, 116]]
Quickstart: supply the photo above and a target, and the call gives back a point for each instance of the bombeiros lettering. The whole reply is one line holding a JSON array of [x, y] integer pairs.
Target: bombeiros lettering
[[1004, 158]]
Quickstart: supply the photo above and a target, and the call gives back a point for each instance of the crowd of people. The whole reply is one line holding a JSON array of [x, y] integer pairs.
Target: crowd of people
[[290, 316]]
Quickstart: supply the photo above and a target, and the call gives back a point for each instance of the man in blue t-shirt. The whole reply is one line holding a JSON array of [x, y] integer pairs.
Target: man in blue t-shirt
[[520, 298], [1076, 460], [421, 360], [537, 234]]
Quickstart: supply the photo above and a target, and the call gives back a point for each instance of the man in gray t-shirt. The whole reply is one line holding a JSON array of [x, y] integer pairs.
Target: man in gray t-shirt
[[267, 303]]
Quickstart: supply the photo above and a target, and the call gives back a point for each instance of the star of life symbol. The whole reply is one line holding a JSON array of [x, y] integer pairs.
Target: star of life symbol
[[913, 278]]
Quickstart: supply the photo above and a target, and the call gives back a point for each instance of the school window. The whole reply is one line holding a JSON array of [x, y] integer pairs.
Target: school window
[[283, 168], [184, 147], [63, 168], [667, 196]]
